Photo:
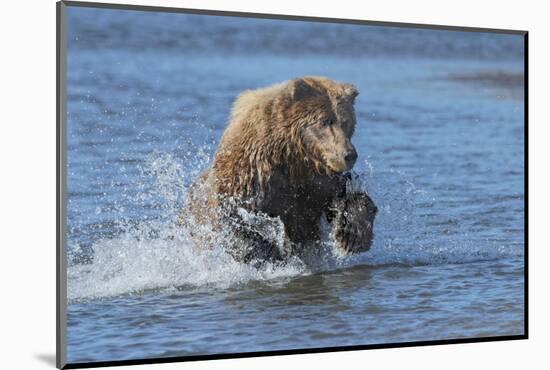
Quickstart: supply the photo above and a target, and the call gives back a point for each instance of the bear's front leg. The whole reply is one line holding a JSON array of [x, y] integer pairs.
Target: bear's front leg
[[256, 237], [352, 218]]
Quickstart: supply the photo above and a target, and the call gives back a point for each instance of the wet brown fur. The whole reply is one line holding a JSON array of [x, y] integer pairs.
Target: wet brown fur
[[279, 156]]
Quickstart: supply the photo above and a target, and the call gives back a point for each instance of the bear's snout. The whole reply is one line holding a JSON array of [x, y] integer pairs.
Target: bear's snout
[[350, 157]]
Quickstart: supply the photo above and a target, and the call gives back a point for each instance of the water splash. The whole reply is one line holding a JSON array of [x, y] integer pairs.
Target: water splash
[[154, 254], [128, 264]]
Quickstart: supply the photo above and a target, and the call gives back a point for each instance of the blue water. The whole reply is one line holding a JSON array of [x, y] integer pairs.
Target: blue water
[[440, 137]]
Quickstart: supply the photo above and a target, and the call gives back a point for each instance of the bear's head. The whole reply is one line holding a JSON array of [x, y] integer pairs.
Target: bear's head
[[323, 110]]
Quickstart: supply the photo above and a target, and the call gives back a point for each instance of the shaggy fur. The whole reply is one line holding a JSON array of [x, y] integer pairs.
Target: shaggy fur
[[283, 154]]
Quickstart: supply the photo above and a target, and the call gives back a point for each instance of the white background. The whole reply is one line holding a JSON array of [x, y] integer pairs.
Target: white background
[[27, 194]]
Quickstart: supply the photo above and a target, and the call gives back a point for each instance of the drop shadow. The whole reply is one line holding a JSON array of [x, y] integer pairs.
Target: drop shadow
[[47, 358]]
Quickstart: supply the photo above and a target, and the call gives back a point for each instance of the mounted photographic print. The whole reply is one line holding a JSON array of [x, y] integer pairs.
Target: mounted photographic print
[[234, 184]]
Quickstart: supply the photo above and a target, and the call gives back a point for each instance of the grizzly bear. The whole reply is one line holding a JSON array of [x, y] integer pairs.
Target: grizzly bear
[[285, 156]]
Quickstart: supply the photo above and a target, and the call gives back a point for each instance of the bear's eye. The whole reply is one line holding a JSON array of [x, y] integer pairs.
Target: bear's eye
[[327, 122]]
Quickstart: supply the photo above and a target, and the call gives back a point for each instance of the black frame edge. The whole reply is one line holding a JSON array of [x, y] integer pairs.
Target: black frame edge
[[526, 183], [159, 360]]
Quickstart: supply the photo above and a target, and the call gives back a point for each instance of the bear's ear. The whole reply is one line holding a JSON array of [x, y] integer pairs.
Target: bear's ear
[[301, 89], [350, 92]]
